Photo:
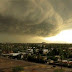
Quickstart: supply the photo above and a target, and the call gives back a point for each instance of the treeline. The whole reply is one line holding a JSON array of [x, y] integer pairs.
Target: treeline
[[15, 47]]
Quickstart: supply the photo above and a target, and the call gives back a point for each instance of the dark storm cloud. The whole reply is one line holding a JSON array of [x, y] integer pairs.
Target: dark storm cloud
[[35, 17], [63, 8]]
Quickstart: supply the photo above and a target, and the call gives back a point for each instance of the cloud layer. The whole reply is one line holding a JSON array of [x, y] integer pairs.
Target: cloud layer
[[34, 18], [29, 17]]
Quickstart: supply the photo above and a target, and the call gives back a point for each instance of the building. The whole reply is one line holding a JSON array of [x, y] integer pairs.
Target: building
[[29, 50], [45, 51]]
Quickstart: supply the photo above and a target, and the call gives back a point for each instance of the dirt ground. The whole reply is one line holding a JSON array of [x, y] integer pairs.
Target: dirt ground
[[7, 64]]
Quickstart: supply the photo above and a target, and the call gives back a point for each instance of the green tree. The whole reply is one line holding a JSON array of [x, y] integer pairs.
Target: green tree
[[59, 70], [67, 54], [61, 55]]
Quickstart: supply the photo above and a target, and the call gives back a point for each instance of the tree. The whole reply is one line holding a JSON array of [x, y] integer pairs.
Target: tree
[[67, 54], [61, 55], [59, 70]]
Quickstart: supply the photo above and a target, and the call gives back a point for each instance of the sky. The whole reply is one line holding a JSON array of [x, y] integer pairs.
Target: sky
[[33, 21]]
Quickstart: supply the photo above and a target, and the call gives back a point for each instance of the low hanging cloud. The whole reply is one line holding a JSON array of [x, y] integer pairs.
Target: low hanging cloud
[[29, 17]]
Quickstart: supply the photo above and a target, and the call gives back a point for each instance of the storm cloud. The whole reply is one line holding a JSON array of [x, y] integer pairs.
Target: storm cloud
[[29, 17], [42, 18]]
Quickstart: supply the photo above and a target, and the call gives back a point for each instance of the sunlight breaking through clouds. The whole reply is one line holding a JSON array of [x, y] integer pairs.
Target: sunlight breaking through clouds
[[33, 20], [63, 36]]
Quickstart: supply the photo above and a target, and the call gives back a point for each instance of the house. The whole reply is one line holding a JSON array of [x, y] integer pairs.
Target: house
[[70, 61], [36, 50], [52, 48], [45, 51], [64, 61], [70, 49], [44, 58], [6, 55], [23, 55], [29, 50], [58, 57], [50, 61], [15, 55]]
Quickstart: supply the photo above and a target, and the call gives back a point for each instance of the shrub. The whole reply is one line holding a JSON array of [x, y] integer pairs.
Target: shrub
[[17, 69], [59, 70]]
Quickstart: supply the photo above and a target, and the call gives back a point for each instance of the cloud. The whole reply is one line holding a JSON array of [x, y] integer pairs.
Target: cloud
[[62, 7], [10, 38], [4, 4], [29, 17]]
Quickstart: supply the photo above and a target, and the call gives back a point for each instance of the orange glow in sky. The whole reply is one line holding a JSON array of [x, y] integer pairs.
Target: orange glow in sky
[[64, 36]]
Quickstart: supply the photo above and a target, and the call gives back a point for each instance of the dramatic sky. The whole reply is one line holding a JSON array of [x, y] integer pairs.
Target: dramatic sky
[[36, 21]]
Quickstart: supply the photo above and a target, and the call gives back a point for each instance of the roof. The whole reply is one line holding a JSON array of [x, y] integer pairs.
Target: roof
[[6, 54], [15, 54]]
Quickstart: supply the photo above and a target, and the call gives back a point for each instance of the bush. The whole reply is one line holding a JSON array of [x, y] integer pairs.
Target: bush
[[17, 69], [59, 70]]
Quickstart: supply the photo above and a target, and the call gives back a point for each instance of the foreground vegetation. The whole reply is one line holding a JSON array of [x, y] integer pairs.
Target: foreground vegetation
[[59, 70], [17, 69]]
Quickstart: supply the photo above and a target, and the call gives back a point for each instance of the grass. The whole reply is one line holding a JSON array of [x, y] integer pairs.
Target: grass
[[17, 69], [59, 70]]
